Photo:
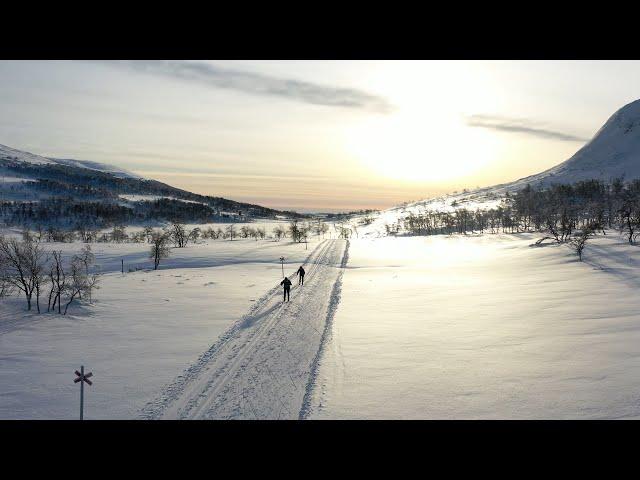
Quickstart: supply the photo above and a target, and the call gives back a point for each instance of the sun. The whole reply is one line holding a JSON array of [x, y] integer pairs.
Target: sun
[[418, 148]]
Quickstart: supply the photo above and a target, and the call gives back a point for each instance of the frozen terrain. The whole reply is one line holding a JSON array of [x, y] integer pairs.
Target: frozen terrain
[[145, 328], [263, 367], [27, 157], [483, 327], [611, 153]]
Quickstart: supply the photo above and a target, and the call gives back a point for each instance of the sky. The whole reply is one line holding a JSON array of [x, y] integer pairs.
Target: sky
[[314, 135]]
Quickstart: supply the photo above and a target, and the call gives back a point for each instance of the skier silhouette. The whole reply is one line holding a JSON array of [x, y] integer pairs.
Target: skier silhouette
[[287, 289], [300, 274]]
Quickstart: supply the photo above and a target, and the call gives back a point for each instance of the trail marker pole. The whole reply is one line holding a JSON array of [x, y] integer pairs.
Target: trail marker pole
[[82, 378], [282, 264]]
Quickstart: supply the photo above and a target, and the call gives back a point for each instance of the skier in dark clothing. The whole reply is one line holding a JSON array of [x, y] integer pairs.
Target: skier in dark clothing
[[300, 274], [286, 283]]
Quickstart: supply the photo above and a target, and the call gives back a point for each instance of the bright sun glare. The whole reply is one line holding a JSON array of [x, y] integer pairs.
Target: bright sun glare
[[422, 149], [426, 138]]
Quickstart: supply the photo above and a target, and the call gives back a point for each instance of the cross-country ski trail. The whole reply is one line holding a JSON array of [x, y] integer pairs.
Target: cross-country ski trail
[[264, 366]]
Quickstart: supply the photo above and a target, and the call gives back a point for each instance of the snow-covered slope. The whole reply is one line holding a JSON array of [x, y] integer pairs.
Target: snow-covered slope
[[613, 152], [8, 153], [101, 167]]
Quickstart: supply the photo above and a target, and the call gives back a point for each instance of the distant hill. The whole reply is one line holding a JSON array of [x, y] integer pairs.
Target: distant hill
[[613, 152], [41, 190]]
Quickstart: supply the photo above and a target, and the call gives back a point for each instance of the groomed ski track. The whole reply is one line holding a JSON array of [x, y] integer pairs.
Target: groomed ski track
[[263, 366]]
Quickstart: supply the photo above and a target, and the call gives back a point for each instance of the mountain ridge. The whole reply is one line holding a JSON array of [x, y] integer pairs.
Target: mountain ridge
[[36, 188]]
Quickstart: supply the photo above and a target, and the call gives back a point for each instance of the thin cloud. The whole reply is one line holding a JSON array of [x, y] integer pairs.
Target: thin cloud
[[259, 84], [516, 125]]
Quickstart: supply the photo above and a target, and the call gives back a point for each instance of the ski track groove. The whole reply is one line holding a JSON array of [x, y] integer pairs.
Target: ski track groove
[[209, 387], [213, 388], [155, 408], [306, 408]]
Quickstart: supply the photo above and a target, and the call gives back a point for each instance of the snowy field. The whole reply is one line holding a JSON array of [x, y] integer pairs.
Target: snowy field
[[484, 327], [145, 328], [435, 327]]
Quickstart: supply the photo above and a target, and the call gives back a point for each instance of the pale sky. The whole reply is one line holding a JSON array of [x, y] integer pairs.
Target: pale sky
[[314, 135]]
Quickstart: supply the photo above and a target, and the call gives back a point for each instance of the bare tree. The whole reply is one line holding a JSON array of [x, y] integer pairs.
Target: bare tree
[[194, 234], [6, 287], [25, 263], [148, 232], [279, 232], [58, 281], [295, 231], [86, 258], [118, 234], [179, 235], [629, 221], [71, 282], [77, 284], [159, 248], [320, 228], [579, 241], [230, 231]]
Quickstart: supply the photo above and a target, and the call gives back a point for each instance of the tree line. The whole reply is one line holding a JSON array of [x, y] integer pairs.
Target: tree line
[[566, 213]]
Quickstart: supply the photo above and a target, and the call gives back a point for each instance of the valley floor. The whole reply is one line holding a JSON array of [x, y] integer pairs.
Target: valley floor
[[484, 327], [414, 327], [145, 328]]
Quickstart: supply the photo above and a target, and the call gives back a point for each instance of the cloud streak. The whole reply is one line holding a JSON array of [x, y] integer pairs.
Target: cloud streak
[[259, 84], [516, 125]]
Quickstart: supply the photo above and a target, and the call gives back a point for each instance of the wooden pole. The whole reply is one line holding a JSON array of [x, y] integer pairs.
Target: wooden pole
[[82, 392]]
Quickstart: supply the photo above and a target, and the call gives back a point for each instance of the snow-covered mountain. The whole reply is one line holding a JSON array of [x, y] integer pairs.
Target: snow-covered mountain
[[65, 191], [613, 152], [8, 153], [100, 167]]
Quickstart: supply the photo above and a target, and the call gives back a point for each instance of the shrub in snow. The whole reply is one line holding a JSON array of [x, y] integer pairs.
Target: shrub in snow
[[159, 248]]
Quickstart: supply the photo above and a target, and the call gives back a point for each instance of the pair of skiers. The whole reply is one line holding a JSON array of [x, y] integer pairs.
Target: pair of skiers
[[286, 283]]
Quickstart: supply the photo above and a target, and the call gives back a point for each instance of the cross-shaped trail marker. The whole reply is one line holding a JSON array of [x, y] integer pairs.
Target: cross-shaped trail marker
[[82, 378]]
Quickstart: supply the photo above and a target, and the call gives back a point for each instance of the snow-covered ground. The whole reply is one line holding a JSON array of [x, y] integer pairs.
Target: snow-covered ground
[[4, 180], [153, 198], [484, 327], [264, 367], [145, 328], [412, 327], [483, 199]]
